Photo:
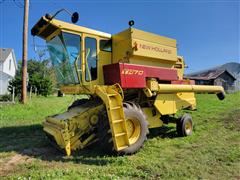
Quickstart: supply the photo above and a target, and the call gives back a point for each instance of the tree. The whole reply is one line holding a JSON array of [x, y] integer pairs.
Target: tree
[[38, 78]]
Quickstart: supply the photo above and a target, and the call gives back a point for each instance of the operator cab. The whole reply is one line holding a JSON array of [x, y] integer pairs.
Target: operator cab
[[77, 53]]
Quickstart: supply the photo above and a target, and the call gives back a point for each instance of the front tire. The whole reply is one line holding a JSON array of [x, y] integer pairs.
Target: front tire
[[185, 125]]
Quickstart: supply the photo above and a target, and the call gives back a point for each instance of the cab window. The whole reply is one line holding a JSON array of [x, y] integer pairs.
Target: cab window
[[91, 57], [106, 45]]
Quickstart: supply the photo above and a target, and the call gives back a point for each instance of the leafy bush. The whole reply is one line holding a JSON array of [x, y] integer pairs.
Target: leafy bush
[[6, 97], [38, 78]]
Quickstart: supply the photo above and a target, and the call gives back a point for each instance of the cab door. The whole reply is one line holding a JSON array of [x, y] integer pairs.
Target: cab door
[[90, 59]]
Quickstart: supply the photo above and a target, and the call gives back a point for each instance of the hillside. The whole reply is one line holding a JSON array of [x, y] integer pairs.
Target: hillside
[[232, 67]]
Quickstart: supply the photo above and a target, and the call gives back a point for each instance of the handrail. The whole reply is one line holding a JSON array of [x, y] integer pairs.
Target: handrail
[[89, 74], [78, 70]]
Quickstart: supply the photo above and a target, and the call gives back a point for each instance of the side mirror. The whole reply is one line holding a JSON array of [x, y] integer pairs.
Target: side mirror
[[75, 17]]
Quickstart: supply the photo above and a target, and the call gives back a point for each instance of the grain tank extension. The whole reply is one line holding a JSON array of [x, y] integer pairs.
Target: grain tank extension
[[133, 81]]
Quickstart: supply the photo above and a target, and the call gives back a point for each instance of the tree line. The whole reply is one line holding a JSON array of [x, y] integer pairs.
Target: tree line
[[41, 78]]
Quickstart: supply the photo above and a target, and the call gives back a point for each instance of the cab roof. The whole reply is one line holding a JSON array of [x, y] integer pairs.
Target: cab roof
[[45, 27]]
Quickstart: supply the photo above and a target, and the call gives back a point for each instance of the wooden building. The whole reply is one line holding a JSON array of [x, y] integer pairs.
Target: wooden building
[[220, 77]]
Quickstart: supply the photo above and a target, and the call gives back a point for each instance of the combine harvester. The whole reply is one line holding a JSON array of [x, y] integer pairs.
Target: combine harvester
[[133, 81]]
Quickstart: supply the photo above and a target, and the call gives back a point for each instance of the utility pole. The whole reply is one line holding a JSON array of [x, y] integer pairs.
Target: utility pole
[[25, 51]]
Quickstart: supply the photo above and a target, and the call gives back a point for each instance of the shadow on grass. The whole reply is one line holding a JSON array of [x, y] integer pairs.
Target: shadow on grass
[[31, 141], [163, 132]]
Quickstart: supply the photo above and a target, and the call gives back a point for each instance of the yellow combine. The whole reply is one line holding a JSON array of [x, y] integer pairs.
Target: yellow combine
[[133, 81]]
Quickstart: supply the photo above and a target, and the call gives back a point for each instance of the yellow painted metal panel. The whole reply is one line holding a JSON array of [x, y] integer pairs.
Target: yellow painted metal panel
[[151, 37], [121, 44], [165, 104], [180, 66], [152, 84], [184, 100], [150, 62], [168, 104], [154, 50], [103, 59], [134, 44], [153, 120], [77, 28]]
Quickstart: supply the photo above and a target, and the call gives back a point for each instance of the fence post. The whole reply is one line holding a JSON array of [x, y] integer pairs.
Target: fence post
[[30, 93], [13, 95]]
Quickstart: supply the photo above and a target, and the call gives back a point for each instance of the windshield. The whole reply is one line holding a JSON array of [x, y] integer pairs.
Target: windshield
[[64, 52]]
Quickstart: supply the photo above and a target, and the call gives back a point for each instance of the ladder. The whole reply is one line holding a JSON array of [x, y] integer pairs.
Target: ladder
[[114, 105]]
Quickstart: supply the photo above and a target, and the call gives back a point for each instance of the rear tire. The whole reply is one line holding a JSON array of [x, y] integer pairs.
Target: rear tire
[[137, 132], [104, 133], [137, 121], [185, 125]]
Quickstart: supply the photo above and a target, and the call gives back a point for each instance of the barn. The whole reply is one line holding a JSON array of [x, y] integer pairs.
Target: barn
[[219, 77]]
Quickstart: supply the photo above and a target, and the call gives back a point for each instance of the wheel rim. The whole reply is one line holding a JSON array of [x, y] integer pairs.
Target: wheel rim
[[133, 130], [188, 127]]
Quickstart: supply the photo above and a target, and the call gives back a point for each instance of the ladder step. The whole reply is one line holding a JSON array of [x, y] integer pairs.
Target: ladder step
[[120, 134], [116, 107], [117, 120], [111, 95]]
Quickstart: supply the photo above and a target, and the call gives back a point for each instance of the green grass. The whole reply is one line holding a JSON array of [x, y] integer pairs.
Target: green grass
[[212, 152]]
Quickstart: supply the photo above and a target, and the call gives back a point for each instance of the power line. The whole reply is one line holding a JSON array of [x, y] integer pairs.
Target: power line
[[18, 4]]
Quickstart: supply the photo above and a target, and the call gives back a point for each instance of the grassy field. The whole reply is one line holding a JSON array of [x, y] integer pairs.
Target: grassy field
[[212, 152]]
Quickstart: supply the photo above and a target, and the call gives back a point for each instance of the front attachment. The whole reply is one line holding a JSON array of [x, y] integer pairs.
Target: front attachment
[[75, 128]]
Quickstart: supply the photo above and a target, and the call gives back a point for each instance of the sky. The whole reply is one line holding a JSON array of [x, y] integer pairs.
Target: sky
[[207, 32]]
